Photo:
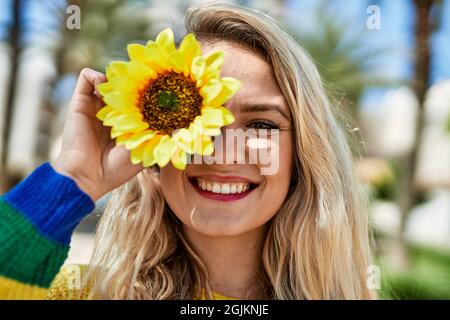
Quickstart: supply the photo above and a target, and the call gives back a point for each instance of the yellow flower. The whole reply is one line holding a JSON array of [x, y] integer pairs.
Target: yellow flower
[[166, 102]]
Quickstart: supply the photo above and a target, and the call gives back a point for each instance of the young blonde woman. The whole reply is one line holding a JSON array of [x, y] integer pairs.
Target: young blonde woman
[[301, 233]]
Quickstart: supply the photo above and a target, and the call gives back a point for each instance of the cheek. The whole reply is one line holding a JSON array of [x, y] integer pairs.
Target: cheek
[[172, 187], [279, 167], [276, 184], [279, 180], [286, 158]]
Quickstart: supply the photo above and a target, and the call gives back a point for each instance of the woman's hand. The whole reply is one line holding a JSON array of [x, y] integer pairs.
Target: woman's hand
[[88, 154]]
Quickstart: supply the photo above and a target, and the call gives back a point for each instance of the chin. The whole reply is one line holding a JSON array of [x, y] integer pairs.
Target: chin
[[216, 223]]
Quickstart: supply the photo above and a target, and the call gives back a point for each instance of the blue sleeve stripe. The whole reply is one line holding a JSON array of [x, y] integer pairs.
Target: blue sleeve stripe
[[52, 202]]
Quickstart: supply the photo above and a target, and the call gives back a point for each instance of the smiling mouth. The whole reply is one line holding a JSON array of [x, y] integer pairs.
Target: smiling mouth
[[222, 191]]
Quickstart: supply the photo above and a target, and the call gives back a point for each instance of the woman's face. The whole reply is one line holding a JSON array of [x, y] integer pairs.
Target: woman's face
[[232, 199]]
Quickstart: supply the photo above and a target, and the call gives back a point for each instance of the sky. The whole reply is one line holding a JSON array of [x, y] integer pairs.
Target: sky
[[5, 18], [41, 21], [395, 34]]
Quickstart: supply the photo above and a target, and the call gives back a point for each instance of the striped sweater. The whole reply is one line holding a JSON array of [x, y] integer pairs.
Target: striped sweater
[[37, 219]]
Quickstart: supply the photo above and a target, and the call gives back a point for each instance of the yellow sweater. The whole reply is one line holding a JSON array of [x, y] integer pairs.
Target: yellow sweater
[[68, 285]]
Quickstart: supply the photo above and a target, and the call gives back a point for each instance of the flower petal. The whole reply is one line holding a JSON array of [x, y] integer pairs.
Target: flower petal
[[203, 145], [139, 138], [122, 139], [228, 117], [211, 74], [128, 123], [213, 116], [190, 48], [210, 91], [123, 84], [116, 68], [200, 127], [165, 40], [103, 112], [104, 88], [137, 154], [164, 150], [120, 102], [179, 159], [149, 157], [156, 55], [214, 60], [178, 63], [198, 68], [117, 133], [109, 116], [211, 121], [229, 87], [207, 146], [184, 140], [140, 71], [136, 52]]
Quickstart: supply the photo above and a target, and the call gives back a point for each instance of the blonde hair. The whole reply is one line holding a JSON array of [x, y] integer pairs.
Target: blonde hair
[[317, 244]]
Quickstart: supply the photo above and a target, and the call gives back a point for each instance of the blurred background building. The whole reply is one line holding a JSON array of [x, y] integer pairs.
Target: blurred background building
[[384, 63]]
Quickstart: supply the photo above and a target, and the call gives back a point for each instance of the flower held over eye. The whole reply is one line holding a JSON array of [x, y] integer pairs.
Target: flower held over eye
[[166, 102]]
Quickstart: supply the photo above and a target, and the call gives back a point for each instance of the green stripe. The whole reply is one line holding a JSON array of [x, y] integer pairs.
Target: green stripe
[[25, 255]]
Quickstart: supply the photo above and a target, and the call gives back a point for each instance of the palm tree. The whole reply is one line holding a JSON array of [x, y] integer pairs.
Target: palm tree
[[409, 194], [344, 62]]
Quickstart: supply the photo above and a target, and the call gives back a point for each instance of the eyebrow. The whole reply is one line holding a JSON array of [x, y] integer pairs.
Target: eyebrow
[[261, 107]]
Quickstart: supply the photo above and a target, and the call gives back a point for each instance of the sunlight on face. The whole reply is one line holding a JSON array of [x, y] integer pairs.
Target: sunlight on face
[[232, 199]]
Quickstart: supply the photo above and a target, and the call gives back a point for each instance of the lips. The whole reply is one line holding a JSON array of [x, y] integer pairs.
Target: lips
[[223, 188]]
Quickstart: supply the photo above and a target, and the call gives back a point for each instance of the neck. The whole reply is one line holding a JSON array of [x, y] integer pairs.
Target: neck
[[232, 261]]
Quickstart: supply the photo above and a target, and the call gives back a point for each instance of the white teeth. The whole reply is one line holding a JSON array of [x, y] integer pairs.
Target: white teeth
[[216, 188], [224, 188]]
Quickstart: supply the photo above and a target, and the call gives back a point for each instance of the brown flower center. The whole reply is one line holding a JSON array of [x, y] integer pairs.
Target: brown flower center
[[170, 102]]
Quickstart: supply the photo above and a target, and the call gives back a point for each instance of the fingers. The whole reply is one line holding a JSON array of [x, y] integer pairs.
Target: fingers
[[88, 80], [84, 98]]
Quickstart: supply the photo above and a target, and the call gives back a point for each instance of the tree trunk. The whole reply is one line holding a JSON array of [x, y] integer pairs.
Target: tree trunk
[[6, 180], [409, 194]]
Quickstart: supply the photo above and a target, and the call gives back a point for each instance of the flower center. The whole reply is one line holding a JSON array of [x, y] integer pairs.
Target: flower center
[[170, 102]]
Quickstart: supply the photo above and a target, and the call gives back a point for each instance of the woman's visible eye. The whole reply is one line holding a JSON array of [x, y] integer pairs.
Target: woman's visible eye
[[262, 124]]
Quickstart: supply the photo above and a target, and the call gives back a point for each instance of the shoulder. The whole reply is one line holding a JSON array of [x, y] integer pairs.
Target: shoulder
[[71, 283]]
